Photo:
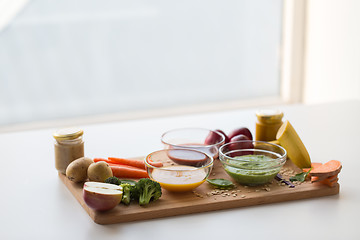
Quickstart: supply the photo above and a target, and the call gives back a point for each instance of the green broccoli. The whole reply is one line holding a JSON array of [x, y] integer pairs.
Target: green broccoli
[[113, 180], [126, 197], [134, 192], [147, 190]]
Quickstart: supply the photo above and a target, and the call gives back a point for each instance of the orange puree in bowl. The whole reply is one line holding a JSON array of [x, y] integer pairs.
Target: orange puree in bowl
[[179, 178]]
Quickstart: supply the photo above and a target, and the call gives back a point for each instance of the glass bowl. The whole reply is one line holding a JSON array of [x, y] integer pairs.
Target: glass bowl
[[252, 163], [182, 169], [200, 139]]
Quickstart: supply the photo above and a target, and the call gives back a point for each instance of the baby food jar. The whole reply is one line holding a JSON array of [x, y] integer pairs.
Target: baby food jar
[[69, 145], [267, 125]]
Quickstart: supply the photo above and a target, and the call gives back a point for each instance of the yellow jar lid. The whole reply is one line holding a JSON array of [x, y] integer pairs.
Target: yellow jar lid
[[68, 133], [269, 116]]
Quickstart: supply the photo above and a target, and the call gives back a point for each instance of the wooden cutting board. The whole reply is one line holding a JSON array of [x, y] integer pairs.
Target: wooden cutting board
[[205, 198]]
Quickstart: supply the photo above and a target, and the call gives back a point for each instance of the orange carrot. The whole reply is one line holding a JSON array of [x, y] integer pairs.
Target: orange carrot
[[103, 159], [328, 169], [333, 178], [325, 173], [319, 179], [123, 171], [99, 159], [329, 182], [133, 162], [313, 165]]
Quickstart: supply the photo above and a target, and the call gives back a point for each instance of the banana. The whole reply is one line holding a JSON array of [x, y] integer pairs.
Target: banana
[[290, 140]]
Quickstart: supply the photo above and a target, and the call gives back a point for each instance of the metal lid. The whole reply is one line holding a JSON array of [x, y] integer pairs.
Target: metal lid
[[269, 116], [68, 133]]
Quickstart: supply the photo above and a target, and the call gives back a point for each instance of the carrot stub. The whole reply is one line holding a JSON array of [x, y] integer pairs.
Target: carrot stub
[[123, 171], [104, 160], [133, 162]]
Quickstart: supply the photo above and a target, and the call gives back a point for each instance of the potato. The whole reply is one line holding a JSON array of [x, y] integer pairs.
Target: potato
[[77, 169], [99, 171]]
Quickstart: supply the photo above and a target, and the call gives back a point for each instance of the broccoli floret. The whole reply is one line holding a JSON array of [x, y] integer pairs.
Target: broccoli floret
[[134, 192], [126, 197], [113, 180], [148, 190]]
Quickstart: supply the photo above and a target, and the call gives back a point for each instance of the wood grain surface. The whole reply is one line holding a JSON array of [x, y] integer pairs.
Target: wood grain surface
[[204, 198]]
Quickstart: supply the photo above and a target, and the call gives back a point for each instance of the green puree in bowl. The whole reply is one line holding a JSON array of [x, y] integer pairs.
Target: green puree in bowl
[[252, 170]]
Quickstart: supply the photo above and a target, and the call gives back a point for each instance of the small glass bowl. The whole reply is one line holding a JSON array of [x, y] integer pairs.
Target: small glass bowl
[[252, 163], [182, 169], [200, 139]]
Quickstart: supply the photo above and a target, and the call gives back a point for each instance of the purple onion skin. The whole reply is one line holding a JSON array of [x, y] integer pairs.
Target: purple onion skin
[[212, 138], [280, 179], [245, 131], [227, 139]]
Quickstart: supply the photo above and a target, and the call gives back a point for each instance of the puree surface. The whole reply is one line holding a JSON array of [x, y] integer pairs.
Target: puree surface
[[252, 170], [179, 178]]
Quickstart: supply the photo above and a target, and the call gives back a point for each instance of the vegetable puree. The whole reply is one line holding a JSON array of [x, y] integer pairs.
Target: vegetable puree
[[185, 157], [68, 147], [252, 169], [179, 178]]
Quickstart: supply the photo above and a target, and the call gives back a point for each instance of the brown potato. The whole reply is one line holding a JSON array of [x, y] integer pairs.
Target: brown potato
[[99, 171], [77, 169]]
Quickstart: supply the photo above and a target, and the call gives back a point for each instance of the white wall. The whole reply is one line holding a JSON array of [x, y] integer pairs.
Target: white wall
[[9, 9], [332, 60]]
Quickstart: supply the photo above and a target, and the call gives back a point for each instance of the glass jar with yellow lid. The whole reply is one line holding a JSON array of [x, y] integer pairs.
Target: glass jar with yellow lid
[[69, 145], [267, 125]]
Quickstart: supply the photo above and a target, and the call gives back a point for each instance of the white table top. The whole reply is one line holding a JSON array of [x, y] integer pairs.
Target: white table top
[[39, 206]]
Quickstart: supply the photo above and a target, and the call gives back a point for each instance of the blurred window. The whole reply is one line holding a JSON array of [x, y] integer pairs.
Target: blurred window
[[65, 58]]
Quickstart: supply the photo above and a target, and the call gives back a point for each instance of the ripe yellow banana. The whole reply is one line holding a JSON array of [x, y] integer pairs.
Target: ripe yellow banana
[[290, 140]]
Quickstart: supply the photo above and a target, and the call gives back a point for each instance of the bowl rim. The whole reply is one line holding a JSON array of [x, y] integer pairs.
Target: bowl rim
[[193, 128], [281, 159], [210, 164]]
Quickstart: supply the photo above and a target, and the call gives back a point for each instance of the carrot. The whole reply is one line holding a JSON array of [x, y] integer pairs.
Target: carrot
[[313, 165], [325, 173], [329, 182], [319, 179], [101, 159], [133, 162], [328, 169], [105, 160], [333, 178], [123, 171]]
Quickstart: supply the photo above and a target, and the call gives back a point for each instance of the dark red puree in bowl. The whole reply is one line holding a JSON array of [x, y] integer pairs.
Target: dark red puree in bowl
[[187, 157]]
